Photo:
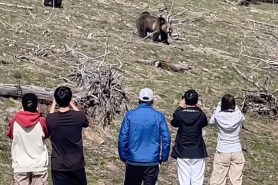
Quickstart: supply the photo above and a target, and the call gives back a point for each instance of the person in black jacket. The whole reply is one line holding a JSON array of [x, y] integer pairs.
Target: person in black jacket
[[190, 149]]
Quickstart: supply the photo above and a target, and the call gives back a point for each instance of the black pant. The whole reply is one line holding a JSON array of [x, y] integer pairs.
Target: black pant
[[77, 177], [134, 175]]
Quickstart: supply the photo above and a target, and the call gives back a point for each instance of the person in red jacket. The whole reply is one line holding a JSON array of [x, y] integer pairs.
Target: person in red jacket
[[28, 130]]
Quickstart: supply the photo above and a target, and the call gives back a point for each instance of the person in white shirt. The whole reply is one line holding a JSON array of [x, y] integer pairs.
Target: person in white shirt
[[228, 119]]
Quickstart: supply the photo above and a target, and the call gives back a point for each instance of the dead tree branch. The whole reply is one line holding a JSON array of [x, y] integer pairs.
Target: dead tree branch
[[262, 23], [17, 6], [241, 74], [16, 91]]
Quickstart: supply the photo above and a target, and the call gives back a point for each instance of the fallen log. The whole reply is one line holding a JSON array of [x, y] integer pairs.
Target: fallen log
[[16, 91], [261, 102], [17, 6]]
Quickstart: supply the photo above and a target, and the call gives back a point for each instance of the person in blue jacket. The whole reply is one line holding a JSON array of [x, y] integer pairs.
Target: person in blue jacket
[[144, 141]]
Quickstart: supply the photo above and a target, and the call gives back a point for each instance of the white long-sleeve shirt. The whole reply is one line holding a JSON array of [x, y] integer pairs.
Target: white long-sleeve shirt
[[229, 126]]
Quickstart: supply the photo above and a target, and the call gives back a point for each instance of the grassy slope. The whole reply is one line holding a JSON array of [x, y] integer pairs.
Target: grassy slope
[[212, 45]]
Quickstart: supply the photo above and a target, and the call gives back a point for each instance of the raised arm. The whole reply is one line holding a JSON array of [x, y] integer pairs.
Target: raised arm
[[175, 122], [44, 127], [86, 121], [212, 119], [242, 120], [53, 105], [73, 106]]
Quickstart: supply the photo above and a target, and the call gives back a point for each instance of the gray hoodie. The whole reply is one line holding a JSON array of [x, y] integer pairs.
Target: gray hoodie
[[229, 126]]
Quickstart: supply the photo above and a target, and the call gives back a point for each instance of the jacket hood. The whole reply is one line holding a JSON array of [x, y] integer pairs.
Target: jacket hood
[[27, 119], [229, 120]]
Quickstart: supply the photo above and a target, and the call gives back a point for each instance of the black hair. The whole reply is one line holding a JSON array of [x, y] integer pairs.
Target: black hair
[[148, 102], [191, 97], [63, 96], [30, 102], [228, 103]]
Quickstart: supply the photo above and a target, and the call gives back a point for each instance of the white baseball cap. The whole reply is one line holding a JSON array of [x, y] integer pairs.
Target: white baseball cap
[[146, 94]]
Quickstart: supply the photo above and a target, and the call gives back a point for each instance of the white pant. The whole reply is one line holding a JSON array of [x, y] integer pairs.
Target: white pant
[[191, 171]]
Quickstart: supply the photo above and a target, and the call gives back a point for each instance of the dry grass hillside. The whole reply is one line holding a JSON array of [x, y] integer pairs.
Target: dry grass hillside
[[212, 40]]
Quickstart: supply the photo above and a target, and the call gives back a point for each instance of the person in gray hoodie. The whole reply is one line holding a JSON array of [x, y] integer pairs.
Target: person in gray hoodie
[[229, 156]]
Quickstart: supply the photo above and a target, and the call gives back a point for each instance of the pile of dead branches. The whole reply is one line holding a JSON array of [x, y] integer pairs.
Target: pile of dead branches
[[261, 102], [97, 86], [95, 82]]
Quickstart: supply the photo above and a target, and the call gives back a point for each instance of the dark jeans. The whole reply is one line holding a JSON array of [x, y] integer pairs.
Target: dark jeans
[[77, 177], [134, 175]]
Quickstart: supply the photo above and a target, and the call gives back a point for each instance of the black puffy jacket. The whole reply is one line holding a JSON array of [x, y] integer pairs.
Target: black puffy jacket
[[189, 143]]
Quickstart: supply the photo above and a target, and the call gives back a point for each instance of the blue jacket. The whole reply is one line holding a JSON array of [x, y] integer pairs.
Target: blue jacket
[[144, 133]]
